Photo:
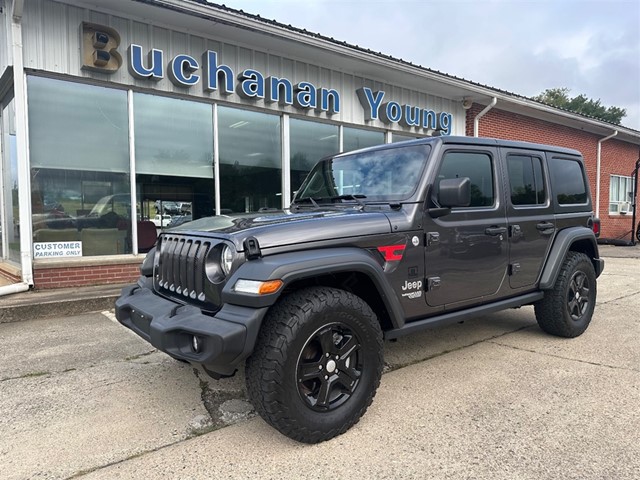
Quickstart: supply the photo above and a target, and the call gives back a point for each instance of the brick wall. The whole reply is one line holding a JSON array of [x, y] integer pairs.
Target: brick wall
[[77, 276], [617, 157]]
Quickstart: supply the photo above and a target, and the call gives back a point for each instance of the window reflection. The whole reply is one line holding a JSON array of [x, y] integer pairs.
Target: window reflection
[[174, 163], [79, 154], [250, 160], [355, 138], [398, 137], [310, 142], [9, 156]]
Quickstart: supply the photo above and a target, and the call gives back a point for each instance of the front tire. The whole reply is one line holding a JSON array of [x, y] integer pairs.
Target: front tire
[[317, 364], [566, 310]]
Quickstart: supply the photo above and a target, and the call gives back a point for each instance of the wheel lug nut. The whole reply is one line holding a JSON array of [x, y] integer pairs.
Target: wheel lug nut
[[326, 355], [326, 377]]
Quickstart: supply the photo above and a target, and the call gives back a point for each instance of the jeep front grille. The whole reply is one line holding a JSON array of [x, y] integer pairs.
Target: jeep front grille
[[180, 272]]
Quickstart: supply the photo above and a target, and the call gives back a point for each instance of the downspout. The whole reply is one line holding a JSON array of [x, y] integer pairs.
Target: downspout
[[598, 159], [476, 120], [14, 288], [635, 196]]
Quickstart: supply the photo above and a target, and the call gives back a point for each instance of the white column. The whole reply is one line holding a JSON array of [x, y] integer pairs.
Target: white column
[[24, 175], [286, 161]]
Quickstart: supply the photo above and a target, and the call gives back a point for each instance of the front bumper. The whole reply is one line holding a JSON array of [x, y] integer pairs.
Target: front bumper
[[226, 338]]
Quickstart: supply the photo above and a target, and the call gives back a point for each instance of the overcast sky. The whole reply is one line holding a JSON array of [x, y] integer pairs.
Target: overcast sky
[[525, 47]]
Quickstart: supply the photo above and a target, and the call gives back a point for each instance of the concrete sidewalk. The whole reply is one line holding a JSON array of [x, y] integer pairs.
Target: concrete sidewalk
[[492, 398]]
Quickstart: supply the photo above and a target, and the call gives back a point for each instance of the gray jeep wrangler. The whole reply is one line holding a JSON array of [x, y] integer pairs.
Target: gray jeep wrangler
[[378, 243]]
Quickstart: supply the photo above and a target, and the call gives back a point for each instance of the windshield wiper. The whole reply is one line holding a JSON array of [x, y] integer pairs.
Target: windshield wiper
[[356, 198], [296, 203], [320, 202]]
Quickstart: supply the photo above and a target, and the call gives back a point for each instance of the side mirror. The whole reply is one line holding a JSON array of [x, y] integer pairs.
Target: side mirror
[[454, 192]]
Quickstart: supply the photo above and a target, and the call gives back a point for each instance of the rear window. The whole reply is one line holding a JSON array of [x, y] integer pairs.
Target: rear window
[[568, 181]]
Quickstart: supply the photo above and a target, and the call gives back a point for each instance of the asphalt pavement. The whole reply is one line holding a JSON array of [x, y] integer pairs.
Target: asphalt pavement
[[492, 398]]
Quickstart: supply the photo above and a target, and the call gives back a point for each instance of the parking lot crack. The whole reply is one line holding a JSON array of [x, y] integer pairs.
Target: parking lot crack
[[87, 471], [560, 357], [391, 367], [224, 407], [26, 375], [623, 297]]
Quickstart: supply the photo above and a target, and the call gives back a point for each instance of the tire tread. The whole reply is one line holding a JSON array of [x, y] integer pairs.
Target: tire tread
[[550, 311], [266, 366]]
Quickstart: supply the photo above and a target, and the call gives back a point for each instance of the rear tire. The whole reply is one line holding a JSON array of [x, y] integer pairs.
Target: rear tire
[[317, 364], [566, 310]]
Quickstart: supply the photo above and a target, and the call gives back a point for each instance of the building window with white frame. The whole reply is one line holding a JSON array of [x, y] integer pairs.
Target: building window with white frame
[[620, 194]]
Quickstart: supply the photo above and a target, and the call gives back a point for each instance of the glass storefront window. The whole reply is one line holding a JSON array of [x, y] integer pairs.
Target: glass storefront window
[[399, 137], [174, 163], [79, 153], [11, 215], [310, 142], [250, 160], [355, 138]]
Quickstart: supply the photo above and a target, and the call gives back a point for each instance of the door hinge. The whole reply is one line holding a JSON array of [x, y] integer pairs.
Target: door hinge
[[514, 268], [431, 238]]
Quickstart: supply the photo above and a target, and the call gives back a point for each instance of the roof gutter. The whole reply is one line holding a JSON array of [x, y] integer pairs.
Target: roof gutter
[[476, 120], [598, 160]]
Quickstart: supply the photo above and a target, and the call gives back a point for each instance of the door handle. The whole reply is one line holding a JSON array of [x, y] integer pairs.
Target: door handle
[[545, 226], [495, 231]]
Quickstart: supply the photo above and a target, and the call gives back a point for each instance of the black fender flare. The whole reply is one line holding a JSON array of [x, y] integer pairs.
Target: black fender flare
[[293, 266], [561, 245]]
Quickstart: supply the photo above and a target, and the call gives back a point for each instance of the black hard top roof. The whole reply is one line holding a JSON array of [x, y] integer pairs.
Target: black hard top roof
[[489, 142]]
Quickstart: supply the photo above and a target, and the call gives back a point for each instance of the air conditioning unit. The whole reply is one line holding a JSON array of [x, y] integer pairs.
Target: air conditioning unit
[[624, 207]]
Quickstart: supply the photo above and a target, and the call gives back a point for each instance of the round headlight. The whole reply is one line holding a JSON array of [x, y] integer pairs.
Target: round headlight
[[226, 259]]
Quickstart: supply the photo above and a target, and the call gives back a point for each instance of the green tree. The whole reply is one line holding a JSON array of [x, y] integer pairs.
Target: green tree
[[559, 97]]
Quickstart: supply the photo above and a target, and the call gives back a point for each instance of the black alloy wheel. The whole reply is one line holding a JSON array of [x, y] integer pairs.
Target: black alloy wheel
[[578, 295], [329, 367]]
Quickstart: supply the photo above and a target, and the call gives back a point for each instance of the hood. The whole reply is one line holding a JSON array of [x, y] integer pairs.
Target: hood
[[288, 228]]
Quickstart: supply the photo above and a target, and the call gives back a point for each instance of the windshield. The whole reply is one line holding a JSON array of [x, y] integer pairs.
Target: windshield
[[388, 175]]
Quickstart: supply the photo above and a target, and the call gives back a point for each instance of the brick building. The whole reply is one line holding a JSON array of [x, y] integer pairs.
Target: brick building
[[119, 119]]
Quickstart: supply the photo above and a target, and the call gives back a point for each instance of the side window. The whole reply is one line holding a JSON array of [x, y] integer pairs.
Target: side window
[[526, 181], [568, 181], [478, 167]]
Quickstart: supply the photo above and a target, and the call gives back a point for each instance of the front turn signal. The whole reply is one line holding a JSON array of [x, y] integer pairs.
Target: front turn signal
[[257, 287]]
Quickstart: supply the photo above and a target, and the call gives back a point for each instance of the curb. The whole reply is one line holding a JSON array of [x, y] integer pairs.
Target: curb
[[57, 303]]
